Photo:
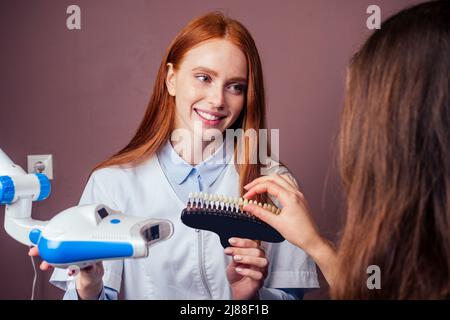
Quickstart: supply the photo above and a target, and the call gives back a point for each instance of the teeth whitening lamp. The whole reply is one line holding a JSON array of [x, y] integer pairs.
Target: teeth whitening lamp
[[76, 237]]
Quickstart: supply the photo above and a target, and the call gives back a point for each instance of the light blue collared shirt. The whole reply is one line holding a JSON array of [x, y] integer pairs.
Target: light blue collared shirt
[[185, 178]]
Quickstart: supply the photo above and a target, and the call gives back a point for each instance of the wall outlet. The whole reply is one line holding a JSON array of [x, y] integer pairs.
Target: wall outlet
[[41, 163]]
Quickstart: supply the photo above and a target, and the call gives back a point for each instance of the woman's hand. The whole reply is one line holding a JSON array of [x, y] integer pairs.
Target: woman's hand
[[248, 268], [89, 280], [294, 221]]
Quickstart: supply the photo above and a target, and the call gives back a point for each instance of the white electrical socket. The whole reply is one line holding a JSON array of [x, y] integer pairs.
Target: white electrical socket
[[41, 163]]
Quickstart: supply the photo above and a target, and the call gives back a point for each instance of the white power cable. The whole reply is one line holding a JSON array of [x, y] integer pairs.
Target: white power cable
[[34, 279]]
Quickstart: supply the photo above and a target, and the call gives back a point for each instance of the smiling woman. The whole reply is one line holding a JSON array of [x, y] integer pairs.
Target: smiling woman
[[211, 81], [211, 76]]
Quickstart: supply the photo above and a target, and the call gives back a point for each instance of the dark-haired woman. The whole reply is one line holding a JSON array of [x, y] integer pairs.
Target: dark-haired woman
[[395, 166]]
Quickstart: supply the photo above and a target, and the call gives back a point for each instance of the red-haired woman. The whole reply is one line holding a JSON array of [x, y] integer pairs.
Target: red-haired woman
[[394, 158], [210, 79]]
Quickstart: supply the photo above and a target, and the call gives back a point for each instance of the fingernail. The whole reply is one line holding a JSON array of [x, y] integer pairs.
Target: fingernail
[[232, 240], [237, 258], [238, 270], [228, 250]]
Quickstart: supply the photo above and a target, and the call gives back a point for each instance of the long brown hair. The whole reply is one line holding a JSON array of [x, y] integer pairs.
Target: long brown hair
[[158, 122], [395, 159]]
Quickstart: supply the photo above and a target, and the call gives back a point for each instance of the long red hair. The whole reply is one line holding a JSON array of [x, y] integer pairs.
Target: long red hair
[[158, 122]]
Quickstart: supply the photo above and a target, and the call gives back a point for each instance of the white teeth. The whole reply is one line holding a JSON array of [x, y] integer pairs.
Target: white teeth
[[205, 200], [207, 116]]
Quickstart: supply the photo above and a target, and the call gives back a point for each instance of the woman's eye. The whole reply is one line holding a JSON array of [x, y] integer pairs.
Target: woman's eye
[[203, 77], [236, 88]]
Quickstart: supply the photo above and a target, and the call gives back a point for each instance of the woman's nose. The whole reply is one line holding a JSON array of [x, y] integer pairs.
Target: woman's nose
[[216, 97]]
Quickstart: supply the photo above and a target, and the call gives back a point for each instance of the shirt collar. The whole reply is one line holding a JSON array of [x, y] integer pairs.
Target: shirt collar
[[178, 170]]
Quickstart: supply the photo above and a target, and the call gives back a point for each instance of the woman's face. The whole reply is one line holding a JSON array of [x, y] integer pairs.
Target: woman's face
[[209, 86]]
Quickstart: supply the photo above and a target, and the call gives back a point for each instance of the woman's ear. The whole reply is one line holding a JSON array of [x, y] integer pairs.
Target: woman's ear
[[170, 80]]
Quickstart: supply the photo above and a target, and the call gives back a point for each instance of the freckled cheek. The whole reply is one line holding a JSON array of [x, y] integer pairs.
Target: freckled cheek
[[187, 98], [196, 94], [235, 106]]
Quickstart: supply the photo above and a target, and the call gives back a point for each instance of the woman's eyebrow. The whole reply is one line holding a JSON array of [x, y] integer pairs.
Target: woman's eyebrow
[[216, 74], [207, 70]]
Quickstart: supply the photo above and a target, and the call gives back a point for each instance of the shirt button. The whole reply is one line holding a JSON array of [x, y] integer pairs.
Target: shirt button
[[197, 230]]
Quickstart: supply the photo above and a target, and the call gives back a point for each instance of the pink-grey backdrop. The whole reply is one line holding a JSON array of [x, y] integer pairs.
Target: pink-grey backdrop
[[80, 94]]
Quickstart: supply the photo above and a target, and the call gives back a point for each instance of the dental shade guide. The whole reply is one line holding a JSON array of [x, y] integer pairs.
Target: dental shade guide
[[225, 216]]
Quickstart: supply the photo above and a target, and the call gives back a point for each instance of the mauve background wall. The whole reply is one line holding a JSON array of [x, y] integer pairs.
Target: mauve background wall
[[80, 94]]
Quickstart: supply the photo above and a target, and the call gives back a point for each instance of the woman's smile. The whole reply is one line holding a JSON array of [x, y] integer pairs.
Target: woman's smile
[[209, 118]]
